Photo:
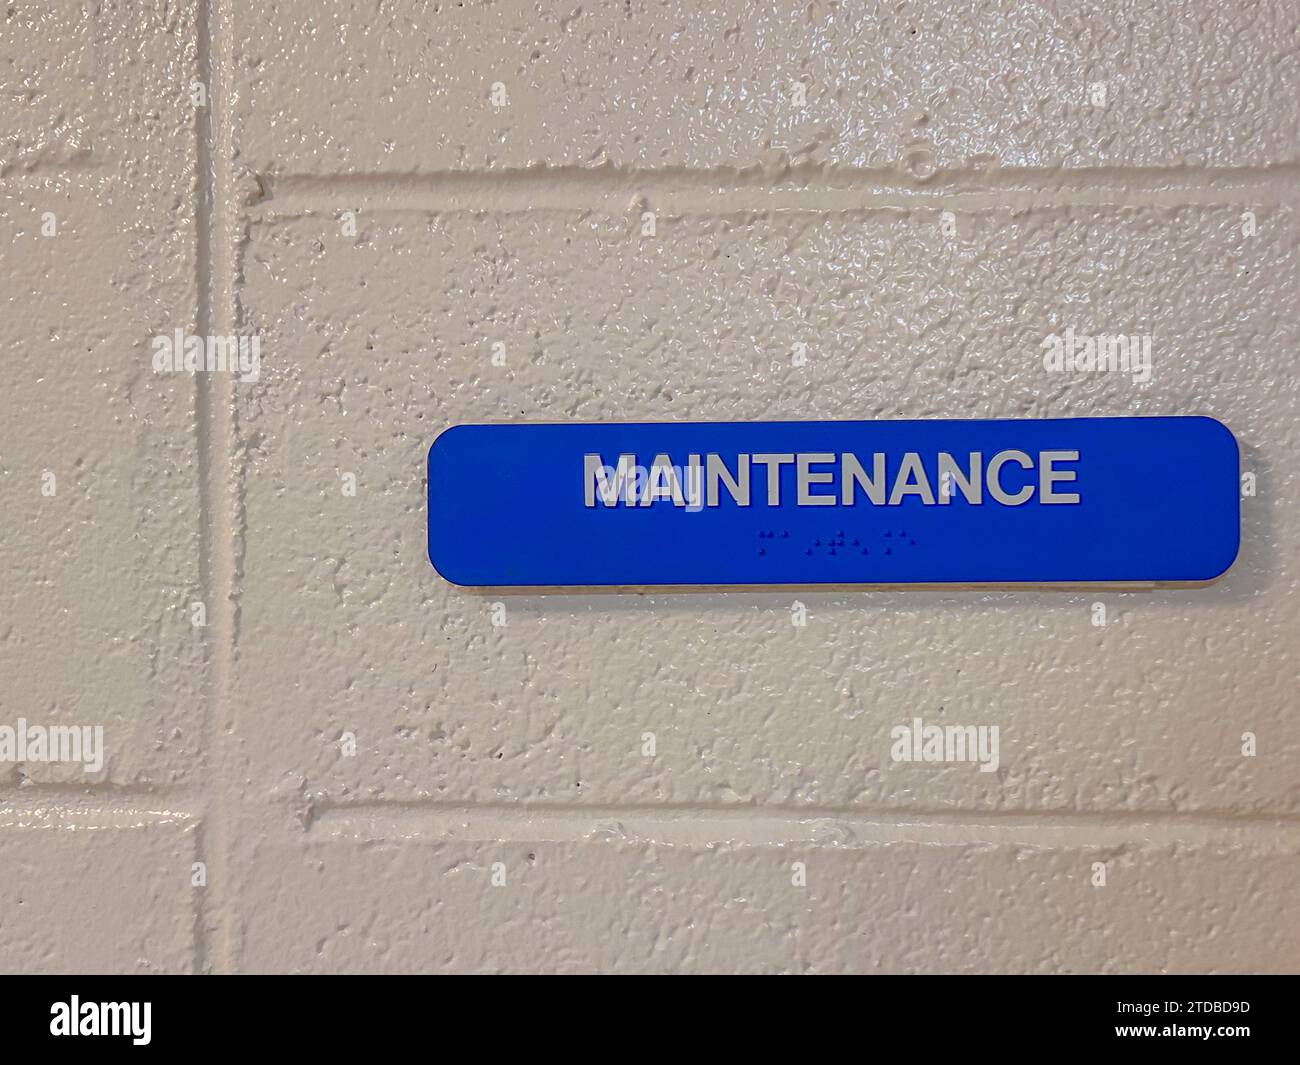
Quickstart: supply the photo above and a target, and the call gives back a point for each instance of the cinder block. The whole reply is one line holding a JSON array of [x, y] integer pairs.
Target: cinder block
[[611, 903], [98, 453], [913, 86], [412, 777], [80, 894], [375, 345], [106, 88]]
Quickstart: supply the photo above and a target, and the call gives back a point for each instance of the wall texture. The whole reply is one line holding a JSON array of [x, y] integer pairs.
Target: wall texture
[[317, 756]]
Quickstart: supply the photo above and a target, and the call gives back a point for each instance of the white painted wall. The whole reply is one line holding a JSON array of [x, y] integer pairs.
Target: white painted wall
[[1121, 167]]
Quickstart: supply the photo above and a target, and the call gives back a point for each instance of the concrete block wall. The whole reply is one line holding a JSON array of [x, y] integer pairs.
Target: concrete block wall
[[319, 757]]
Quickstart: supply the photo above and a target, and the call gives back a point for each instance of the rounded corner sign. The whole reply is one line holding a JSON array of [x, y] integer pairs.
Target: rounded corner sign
[[715, 504]]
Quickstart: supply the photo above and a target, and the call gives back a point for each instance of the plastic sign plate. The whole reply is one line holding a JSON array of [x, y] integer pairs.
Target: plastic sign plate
[[709, 504]]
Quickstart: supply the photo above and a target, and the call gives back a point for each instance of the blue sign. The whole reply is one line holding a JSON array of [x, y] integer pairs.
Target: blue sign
[[805, 503]]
